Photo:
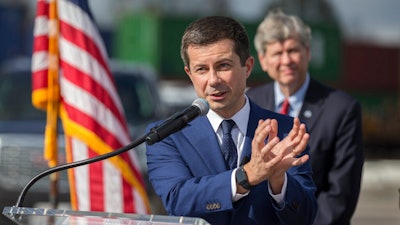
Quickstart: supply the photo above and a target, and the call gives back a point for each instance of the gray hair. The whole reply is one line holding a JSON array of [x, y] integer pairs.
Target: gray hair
[[277, 26]]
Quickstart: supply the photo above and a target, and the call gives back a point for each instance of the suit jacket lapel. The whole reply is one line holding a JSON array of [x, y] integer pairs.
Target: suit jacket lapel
[[203, 139], [255, 115], [270, 98], [312, 104]]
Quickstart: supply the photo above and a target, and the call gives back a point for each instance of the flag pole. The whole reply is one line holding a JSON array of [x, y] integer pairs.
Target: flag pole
[[51, 146]]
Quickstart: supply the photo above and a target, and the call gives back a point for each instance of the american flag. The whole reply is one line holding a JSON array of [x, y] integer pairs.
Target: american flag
[[71, 79]]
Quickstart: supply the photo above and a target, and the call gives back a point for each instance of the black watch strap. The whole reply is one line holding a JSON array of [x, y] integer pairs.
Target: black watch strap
[[241, 178]]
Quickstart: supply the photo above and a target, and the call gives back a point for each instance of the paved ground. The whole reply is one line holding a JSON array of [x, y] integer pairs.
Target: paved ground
[[379, 199]]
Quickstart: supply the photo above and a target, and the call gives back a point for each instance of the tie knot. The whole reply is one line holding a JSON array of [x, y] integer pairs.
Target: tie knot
[[227, 126]]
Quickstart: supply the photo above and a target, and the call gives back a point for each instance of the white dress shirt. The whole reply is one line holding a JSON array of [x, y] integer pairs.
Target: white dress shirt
[[241, 119], [295, 100]]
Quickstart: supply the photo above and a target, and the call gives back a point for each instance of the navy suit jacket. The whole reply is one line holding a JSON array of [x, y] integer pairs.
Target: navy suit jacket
[[333, 119], [187, 171]]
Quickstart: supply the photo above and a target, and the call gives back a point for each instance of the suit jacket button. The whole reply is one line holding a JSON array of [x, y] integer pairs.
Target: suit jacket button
[[295, 204]]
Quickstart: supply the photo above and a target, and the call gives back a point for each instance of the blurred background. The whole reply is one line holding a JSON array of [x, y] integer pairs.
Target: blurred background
[[355, 47]]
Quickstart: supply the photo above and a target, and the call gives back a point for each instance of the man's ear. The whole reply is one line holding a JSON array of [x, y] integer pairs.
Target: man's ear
[[309, 54], [187, 71], [249, 66], [261, 58]]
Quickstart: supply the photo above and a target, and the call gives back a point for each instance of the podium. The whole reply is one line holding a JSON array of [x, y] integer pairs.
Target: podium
[[40, 216]]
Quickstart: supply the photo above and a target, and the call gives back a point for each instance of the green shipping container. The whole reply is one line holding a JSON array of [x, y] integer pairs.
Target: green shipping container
[[153, 39]]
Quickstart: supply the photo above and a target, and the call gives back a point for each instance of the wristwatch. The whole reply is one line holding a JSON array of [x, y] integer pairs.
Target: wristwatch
[[241, 178]]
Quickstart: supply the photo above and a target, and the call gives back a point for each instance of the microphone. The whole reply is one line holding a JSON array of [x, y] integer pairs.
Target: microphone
[[177, 121]]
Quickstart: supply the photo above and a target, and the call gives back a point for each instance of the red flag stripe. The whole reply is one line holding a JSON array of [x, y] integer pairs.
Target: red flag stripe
[[82, 41], [88, 65], [39, 79], [85, 81], [73, 15], [78, 33], [75, 97], [86, 121], [41, 44], [96, 184], [127, 193], [40, 51], [138, 183], [42, 8]]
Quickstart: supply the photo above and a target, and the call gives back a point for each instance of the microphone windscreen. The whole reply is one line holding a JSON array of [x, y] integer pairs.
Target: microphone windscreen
[[202, 104]]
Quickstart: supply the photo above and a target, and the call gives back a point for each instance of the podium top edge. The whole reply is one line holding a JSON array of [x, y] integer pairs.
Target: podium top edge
[[12, 211]]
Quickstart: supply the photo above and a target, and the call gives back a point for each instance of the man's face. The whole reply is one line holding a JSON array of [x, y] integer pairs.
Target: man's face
[[218, 76], [286, 62]]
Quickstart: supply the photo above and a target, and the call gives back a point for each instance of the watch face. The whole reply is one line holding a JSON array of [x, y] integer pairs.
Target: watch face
[[241, 178]]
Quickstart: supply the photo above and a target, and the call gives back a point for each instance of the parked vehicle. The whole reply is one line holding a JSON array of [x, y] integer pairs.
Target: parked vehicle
[[22, 128]]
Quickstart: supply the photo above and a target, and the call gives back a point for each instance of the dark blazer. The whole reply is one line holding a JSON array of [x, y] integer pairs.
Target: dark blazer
[[187, 171], [333, 119]]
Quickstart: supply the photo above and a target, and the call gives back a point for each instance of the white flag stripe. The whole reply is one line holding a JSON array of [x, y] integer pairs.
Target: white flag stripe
[[112, 185], [83, 61], [40, 61], [83, 101], [139, 203], [41, 26], [81, 174]]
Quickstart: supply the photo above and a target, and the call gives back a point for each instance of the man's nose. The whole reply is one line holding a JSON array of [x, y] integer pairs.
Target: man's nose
[[285, 58], [213, 76]]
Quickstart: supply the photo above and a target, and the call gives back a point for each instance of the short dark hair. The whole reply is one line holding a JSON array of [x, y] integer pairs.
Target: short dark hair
[[208, 30]]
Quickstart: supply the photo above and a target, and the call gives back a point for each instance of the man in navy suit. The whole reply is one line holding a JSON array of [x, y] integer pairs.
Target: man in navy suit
[[270, 181], [333, 118]]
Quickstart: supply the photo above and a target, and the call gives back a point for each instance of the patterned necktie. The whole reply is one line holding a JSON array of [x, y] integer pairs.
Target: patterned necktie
[[228, 146], [285, 107]]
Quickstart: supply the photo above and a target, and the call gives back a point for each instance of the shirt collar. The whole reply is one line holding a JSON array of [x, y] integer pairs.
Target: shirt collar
[[295, 100], [241, 118]]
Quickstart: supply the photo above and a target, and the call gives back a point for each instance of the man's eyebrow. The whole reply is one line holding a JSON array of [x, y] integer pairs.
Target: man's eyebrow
[[224, 60]]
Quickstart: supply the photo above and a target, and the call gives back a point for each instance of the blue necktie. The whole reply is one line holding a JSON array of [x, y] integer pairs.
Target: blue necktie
[[228, 146]]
